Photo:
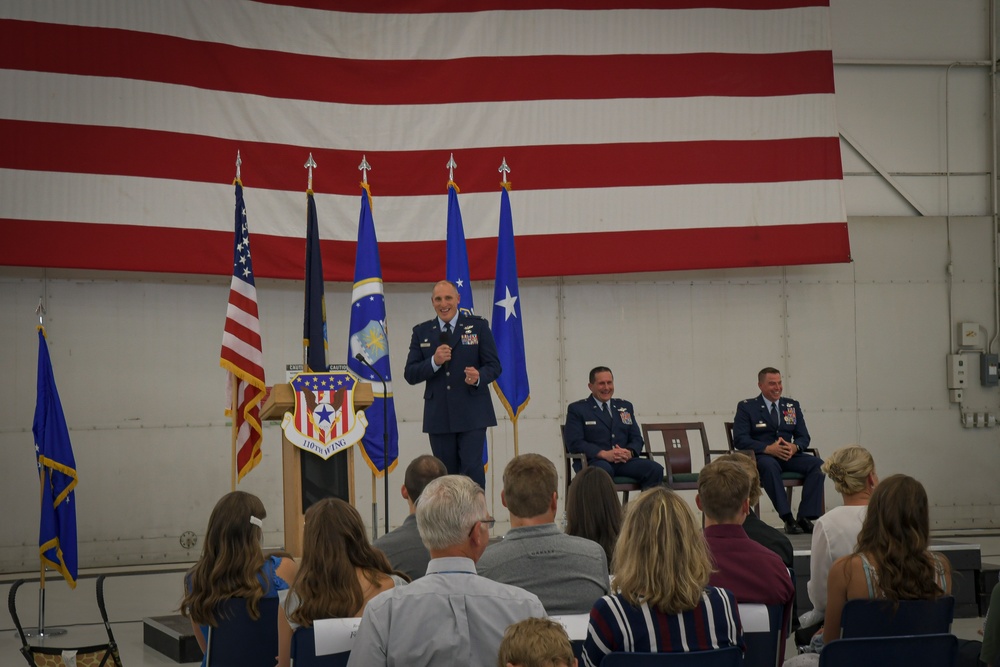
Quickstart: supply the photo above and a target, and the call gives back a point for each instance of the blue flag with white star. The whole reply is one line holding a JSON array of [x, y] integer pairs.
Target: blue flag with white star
[[512, 385], [457, 265], [370, 338], [57, 544]]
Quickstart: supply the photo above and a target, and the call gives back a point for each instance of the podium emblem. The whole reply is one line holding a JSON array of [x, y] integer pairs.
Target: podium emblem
[[324, 421]]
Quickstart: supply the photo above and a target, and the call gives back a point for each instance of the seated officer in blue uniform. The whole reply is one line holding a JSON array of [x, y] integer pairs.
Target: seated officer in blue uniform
[[773, 428], [455, 355], [605, 429]]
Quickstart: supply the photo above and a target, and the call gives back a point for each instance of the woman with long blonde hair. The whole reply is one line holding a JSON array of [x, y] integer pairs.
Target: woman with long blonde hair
[[339, 573], [232, 564], [663, 602]]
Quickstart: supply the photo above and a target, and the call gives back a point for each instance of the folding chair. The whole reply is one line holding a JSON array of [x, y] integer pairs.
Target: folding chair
[[765, 631], [240, 641], [99, 655], [731, 656], [904, 651], [327, 644], [882, 618]]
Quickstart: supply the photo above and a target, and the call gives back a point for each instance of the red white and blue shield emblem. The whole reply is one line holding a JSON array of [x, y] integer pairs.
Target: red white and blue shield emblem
[[324, 421]]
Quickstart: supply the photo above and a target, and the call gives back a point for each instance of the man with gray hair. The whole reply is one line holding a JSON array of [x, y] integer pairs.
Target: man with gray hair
[[451, 616]]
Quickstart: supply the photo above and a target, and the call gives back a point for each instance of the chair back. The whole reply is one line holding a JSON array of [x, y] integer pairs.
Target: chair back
[[676, 452], [731, 656], [765, 631], [905, 651], [327, 643], [103, 655], [729, 435], [576, 628], [240, 641], [878, 618]]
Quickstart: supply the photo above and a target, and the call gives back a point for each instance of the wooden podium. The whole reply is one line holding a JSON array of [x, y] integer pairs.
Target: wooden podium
[[295, 463]]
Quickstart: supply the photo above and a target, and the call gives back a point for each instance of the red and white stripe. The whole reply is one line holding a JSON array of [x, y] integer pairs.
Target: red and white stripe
[[642, 135]]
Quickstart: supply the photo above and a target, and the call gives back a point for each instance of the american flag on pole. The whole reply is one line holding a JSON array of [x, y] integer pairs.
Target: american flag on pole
[[654, 134], [242, 354]]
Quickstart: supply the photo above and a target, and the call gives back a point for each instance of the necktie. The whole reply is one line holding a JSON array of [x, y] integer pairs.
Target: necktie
[[606, 410], [447, 328], [774, 415]]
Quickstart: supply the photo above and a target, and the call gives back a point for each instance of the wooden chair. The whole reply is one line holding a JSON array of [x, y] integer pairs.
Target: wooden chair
[[676, 451], [239, 640], [788, 479], [578, 461], [99, 655], [881, 618], [731, 656], [905, 651]]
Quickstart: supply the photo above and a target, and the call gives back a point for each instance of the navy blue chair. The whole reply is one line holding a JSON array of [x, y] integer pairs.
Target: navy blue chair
[[304, 651], [240, 641], [730, 656], [765, 631], [905, 651], [881, 618]]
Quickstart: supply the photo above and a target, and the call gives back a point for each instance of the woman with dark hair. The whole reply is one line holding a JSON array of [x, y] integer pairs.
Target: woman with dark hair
[[663, 603], [891, 560], [232, 564], [339, 573], [593, 510]]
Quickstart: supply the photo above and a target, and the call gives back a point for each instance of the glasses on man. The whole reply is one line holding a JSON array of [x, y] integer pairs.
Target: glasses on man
[[488, 522]]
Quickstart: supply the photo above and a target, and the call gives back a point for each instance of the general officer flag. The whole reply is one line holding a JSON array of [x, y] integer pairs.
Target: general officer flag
[[57, 471], [370, 338], [512, 385]]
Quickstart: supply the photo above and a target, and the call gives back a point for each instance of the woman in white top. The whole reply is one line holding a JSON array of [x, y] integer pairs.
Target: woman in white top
[[835, 534]]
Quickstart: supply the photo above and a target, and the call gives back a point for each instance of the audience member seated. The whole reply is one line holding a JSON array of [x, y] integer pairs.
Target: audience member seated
[[339, 573], [536, 642], [755, 528], [232, 564], [852, 470], [593, 510], [567, 573], [890, 562], [402, 546], [450, 616], [752, 572], [663, 602]]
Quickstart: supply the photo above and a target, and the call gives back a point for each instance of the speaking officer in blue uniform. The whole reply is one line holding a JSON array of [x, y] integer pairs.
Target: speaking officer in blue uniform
[[455, 355], [773, 427], [606, 430]]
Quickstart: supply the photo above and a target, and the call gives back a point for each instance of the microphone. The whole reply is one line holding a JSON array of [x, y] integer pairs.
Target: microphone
[[444, 339]]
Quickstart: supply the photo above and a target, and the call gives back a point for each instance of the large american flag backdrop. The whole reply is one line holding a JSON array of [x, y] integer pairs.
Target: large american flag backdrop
[[643, 135]]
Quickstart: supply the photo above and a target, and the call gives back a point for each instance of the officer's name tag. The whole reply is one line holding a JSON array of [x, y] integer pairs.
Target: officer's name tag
[[425, 344], [760, 425], [594, 423]]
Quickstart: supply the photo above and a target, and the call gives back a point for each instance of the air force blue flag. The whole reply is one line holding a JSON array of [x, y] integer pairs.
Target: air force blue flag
[[512, 385], [57, 543], [370, 339], [457, 260], [457, 266]]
